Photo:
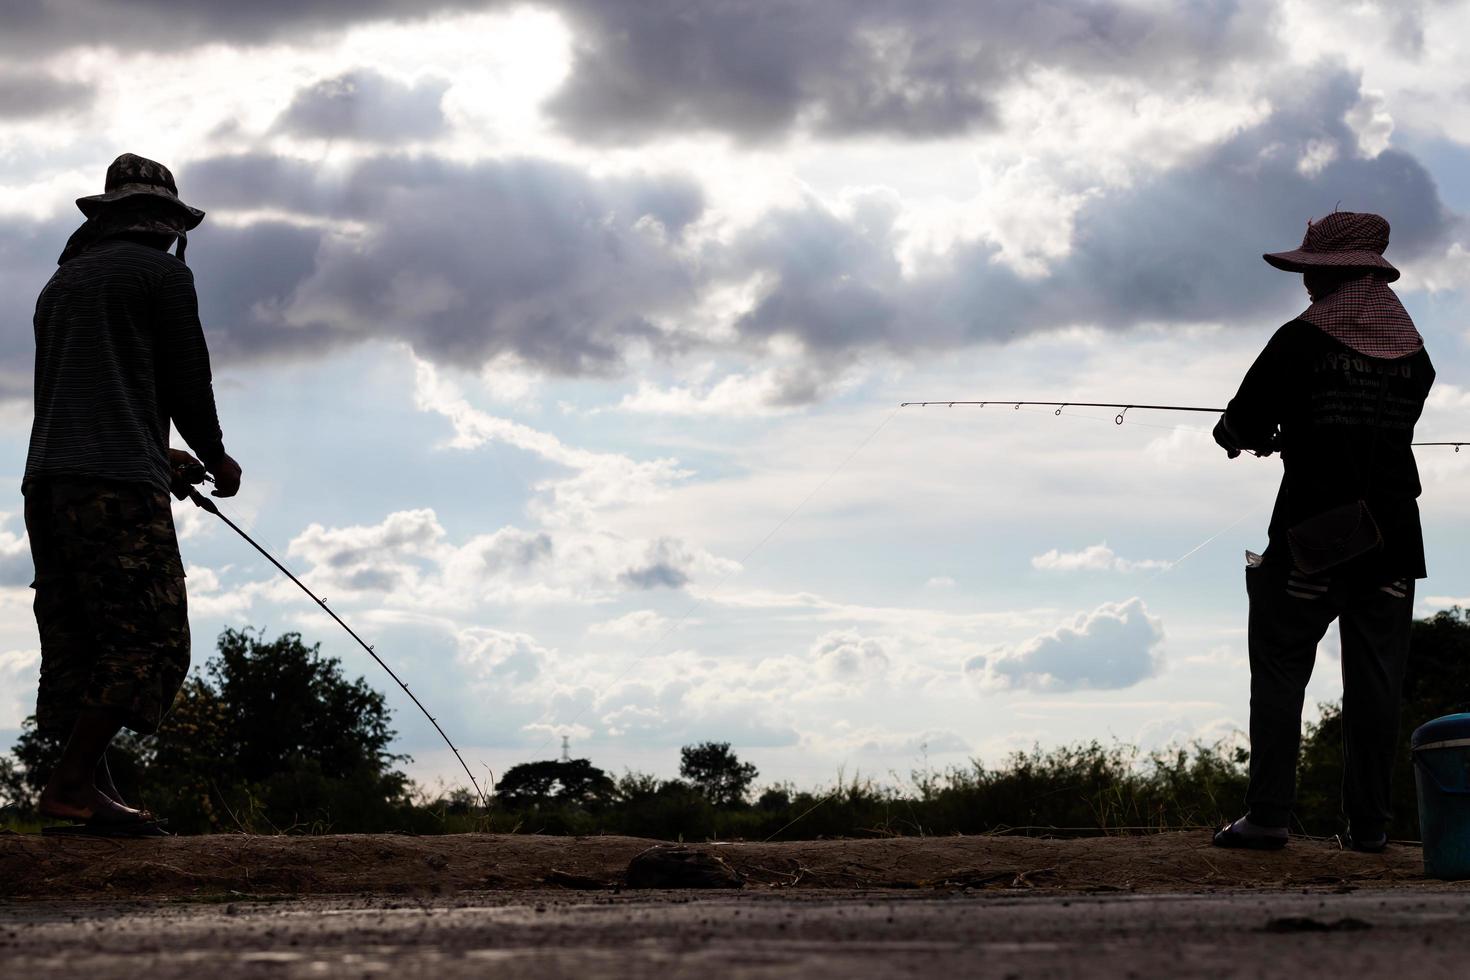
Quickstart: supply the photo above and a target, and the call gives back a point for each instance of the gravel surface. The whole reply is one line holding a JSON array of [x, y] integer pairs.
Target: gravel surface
[[790, 933]]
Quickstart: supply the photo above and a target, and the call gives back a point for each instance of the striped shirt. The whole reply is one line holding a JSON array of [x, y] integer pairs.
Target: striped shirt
[[119, 354]]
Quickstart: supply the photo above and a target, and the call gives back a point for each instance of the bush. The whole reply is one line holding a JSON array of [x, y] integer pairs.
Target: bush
[[270, 736]]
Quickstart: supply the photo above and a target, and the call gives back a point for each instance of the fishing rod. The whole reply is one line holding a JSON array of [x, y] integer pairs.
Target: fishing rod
[[206, 504], [1117, 419]]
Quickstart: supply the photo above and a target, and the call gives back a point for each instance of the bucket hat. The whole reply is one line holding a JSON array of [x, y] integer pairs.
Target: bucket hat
[[1344, 240], [137, 180]]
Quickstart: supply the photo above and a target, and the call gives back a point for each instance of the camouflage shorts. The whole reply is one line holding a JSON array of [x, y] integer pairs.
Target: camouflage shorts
[[110, 602]]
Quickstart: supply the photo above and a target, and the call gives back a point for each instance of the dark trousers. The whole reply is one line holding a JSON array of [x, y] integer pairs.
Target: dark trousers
[[1289, 615]]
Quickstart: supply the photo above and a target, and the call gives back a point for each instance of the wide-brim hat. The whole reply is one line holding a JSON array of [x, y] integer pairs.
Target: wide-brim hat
[[137, 179], [1343, 240]]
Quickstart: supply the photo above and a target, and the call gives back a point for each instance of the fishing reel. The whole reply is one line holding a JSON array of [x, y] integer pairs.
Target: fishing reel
[[186, 473]]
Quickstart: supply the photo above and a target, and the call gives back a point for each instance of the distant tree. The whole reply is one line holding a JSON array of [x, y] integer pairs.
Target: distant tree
[[775, 798], [282, 700], [638, 785], [270, 736], [715, 771], [1436, 682], [574, 781]]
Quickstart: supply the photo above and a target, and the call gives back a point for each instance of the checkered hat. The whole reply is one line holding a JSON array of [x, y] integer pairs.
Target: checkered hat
[[1343, 239], [135, 178]]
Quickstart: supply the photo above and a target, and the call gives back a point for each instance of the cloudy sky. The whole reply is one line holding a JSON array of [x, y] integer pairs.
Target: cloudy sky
[[562, 342]]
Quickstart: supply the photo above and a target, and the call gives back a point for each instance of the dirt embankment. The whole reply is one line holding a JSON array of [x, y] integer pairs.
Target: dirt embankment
[[385, 864]]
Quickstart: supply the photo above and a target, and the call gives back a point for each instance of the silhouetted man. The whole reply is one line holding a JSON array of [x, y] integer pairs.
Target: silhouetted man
[[1344, 383], [119, 355]]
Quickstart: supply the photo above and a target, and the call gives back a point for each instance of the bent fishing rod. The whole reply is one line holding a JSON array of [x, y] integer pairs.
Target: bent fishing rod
[[1117, 419], [205, 503]]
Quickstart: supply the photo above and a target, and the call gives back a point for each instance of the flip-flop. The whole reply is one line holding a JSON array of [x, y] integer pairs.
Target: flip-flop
[[108, 828]]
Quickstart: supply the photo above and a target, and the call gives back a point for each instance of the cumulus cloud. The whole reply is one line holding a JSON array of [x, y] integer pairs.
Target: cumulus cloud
[[846, 656], [408, 560], [19, 670], [15, 554], [210, 601], [1114, 646], [1094, 558], [641, 624], [492, 654], [367, 106], [1097, 557], [389, 556], [843, 68], [663, 566]]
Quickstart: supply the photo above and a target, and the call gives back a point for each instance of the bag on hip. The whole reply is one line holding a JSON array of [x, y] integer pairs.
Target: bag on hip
[[1334, 537]]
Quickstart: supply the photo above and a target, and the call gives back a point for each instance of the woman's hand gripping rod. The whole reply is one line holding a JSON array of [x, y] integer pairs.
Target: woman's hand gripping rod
[[185, 477]]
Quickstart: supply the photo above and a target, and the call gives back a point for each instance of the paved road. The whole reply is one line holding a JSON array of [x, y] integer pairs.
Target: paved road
[[1407, 935]]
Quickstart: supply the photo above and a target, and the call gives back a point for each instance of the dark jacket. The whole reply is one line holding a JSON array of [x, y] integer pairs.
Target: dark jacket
[[119, 355], [1325, 397]]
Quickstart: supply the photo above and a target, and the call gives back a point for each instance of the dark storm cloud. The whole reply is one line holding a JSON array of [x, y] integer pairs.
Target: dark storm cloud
[[246, 276], [367, 106], [28, 94], [464, 262], [925, 68], [39, 26], [1181, 247], [756, 69], [570, 273], [28, 253]]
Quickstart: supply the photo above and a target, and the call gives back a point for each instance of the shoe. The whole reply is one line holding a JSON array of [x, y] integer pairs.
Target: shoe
[[1244, 835], [1372, 845]]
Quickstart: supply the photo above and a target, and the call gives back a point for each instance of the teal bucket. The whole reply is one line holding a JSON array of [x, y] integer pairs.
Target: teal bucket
[[1441, 750]]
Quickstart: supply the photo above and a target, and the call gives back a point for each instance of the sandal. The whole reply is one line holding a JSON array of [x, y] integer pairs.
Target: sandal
[[1228, 836]]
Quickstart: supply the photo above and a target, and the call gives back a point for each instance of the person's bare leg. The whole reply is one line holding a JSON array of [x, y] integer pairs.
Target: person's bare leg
[[72, 792]]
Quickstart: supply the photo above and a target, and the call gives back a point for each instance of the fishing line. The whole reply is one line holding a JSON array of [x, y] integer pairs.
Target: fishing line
[[208, 505], [1177, 561]]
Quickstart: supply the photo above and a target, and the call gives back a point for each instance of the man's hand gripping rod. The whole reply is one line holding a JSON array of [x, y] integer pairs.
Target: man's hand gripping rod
[[205, 503]]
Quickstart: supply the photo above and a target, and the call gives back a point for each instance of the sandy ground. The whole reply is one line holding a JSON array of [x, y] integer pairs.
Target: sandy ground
[[477, 905], [383, 864]]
